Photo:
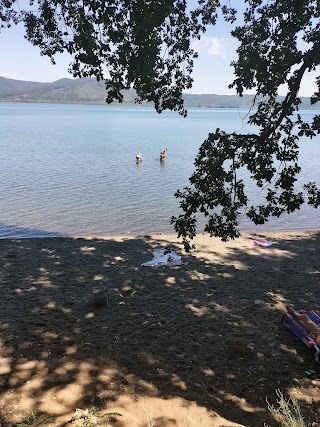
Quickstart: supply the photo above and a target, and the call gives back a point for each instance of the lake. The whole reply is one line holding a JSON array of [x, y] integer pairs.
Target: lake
[[70, 169]]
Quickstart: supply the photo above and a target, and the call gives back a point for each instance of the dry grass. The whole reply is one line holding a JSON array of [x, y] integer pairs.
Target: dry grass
[[288, 412]]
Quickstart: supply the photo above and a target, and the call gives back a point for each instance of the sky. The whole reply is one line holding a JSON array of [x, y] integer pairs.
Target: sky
[[212, 71]]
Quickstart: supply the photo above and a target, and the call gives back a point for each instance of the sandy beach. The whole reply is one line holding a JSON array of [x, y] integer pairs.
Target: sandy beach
[[199, 344]]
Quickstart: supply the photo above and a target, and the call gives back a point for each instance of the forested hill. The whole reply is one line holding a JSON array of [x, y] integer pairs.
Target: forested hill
[[90, 91]]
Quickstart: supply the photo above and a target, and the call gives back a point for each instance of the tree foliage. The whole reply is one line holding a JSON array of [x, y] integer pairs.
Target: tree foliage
[[146, 44], [279, 43]]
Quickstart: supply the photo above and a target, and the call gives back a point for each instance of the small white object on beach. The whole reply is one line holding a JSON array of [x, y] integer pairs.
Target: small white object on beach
[[163, 256], [264, 243]]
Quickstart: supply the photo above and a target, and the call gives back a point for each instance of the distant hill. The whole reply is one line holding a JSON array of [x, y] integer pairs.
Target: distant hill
[[11, 88], [234, 101], [61, 91], [88, 90]]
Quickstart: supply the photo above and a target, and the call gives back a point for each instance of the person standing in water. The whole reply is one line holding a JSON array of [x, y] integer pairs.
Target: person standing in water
[[138, 158], [163, 154]]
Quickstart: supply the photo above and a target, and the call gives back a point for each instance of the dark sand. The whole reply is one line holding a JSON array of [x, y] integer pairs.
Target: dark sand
[[194, 345]]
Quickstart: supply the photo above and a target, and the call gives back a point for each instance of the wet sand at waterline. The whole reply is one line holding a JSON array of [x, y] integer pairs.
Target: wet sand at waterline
[[199, 344]]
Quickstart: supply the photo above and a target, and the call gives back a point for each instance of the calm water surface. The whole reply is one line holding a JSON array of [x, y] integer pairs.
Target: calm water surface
[[70, 169]]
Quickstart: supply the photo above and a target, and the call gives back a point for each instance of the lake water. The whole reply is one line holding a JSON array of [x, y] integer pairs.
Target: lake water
[[70, 169]]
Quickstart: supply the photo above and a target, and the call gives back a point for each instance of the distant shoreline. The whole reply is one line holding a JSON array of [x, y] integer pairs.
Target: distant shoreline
[[127, 104], [88, 91]]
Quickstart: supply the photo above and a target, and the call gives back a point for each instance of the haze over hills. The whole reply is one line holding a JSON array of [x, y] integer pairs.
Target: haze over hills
[[88, 90]]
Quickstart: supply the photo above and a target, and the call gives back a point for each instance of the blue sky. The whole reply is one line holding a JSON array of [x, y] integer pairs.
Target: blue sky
[[212, 72]]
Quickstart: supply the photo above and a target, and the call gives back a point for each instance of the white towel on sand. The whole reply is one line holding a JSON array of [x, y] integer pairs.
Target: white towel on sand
[[163, 257]]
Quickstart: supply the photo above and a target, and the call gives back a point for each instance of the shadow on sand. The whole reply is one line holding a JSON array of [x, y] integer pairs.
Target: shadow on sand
[[166, 334]]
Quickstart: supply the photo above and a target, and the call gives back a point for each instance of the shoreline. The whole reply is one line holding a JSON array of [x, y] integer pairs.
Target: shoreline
[[163, 234]]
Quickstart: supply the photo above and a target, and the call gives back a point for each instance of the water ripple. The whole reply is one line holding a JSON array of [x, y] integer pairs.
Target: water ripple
[[70, 170]]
